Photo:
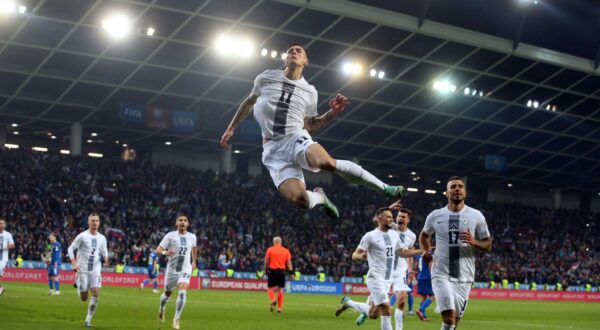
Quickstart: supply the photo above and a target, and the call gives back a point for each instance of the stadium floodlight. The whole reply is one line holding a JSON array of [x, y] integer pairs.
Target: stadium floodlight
[[14, 125], [273, 53], [7, 6], [11, 146], [95, 155], [39, 149], [529, 103], [16, 132], [413, 173], [554, 108], [352, 68], [474, 92], [124, 145], [22, 9], [264, 52], [509, 185], [117, 25], [381, 74], [481, 93], [453, 88], [236, 151], [89, 141], [53, 137], [390, 176], [443, 86], [373, 73], [430, 191], [548, 107], [467, 90], [225, 45], [412, 189], [150, 31], [536, 104], [438, 181], [283, 56], [247, 48], [94, 134], [168, 143], [65, 152]]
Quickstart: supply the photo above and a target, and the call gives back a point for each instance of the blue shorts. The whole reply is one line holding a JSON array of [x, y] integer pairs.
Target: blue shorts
[[424, 287], [152, 273], [53, 271]]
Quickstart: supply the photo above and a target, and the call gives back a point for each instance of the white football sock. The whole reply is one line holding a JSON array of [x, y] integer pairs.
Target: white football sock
[[399, 317], [386, 322], [163, 301], [359, 307], [447, 326], [181, 297], [315, 198], [356, 174], [92, 308]]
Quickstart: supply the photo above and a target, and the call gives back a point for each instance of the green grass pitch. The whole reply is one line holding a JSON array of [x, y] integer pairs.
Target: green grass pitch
[[26, 306]]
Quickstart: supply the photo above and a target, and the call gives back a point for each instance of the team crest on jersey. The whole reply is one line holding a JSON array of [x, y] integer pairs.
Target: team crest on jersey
[[465, 220]]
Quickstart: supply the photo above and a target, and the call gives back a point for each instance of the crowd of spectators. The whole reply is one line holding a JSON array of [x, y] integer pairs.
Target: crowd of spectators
[[235, 217]]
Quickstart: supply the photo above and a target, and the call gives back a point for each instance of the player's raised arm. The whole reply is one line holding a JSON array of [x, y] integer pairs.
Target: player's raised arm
[[242, 112], [336, 106]]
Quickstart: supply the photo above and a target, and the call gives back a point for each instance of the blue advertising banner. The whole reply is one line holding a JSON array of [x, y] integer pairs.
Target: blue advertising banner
[[132, 113], [314, 287], [184, 122]]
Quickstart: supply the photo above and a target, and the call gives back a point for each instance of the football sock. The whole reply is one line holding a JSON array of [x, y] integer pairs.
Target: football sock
[[399, 317], [271, 294], [386, 322], [56, 286], [393, 300], [356, 174], [51, 284], [92, 308], [155, 285], [425, 304], [411, 302], [181, 297], [146, 281], [447, 326], [280, 298], [163, 301], [314, 199], [360, 307]]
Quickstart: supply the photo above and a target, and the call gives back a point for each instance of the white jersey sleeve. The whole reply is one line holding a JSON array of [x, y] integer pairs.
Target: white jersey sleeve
[[481, 230], [428, 228], [365, 242], [256, 89], [74, 246]]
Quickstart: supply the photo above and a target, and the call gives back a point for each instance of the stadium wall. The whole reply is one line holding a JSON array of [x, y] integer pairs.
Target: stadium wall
[[208, 283]]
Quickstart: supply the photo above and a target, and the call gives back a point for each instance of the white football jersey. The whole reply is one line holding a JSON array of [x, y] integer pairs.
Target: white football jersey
[[407, 241], [454, 259], [282, 103], [6, 239], [181, 261], [381, 251], [91, 250]]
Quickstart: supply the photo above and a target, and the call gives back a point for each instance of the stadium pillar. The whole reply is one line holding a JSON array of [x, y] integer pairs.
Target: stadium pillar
[[556, 196], [2, 137], [226, 161], [76, 138]]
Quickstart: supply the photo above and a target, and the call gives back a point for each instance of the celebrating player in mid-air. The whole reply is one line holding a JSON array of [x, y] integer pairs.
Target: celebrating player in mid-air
[[459, 230], [285, 106], [380, 248], [91, 250], [6, 243], [180, 247]]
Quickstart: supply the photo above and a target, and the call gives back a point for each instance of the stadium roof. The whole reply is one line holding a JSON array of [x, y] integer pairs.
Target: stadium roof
[[58, 67]]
